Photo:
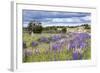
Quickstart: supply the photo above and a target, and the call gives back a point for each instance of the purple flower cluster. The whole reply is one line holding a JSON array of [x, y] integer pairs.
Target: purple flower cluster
[[75, 55], [55, 38], [58, 43], [77, 44], [44, 39], [84, 36], [79, 41], [34, 44], [56, 47]]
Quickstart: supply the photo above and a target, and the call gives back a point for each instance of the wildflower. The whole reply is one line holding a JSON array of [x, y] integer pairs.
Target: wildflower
[[34, 44]]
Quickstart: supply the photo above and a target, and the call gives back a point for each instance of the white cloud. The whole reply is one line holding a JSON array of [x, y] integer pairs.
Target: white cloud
[[60, 24], [67, 20], [86, 18], [25, 24], [58, 19]]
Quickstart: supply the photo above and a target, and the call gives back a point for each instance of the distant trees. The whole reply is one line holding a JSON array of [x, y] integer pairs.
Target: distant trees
[[35, 27], [86, 26], [55, 29]]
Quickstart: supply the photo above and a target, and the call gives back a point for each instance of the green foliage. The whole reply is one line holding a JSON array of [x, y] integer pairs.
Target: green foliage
[[64, 30], [86, 26], [35, 27]]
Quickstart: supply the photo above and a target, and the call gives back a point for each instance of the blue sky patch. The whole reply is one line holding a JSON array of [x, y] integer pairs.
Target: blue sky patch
[[56, 18]]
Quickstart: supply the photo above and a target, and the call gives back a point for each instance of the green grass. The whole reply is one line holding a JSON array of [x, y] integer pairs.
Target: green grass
[[50, 56]]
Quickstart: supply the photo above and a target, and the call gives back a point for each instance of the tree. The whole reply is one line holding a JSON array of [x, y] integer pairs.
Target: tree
[[30, 27], [86, 26], [35, 27], [64, 30]]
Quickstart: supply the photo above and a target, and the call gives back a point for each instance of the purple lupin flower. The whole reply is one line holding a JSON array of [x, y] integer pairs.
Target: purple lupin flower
[[79, 41], [55, 38], [75, 55], [56, 47], [84, 36], [72, 44], [82, 45], [34, 44], [44, 39]]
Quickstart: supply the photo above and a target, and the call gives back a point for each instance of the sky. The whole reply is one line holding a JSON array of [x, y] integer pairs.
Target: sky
[[56, 18]]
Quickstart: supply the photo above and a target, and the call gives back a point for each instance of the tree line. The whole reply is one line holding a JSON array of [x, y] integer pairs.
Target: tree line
[[36, 27]]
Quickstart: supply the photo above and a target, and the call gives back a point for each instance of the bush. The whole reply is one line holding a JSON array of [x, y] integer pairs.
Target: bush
[[63, 30], [86, 26]]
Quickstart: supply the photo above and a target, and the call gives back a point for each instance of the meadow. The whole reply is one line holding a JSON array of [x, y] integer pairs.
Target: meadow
[[57, 46]]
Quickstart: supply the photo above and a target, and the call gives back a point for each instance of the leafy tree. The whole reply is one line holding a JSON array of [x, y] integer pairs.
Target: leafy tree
[[86, 26], [64, 30], [35, 27]]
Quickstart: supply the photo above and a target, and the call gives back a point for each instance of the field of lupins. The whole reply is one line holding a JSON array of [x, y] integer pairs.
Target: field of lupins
[[56, 47]]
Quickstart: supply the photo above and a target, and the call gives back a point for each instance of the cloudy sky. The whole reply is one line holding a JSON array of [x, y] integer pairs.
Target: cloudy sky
[[54, 18]]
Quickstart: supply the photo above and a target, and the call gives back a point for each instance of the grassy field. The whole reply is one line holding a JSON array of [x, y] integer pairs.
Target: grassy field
[[42, 51]]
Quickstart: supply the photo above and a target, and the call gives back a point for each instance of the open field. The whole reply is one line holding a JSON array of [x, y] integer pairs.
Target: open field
[[56, 46]]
